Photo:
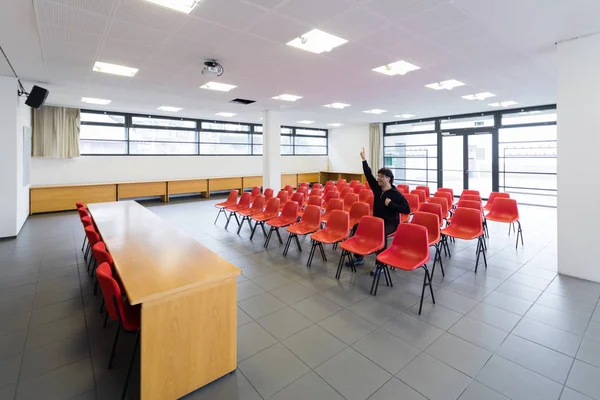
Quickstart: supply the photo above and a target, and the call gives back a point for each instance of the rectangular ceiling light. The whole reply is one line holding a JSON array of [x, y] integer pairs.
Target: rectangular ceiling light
[[114, 69], [287, 97], [221, 87], [504, 104], [375, 111], [405, 116], [339, 106], [335, 125], [92, 100], [169, 108], [225, 114], [305, 121], [184, 6], [317, 41], [396, 68], [479, 96], [448, 85]]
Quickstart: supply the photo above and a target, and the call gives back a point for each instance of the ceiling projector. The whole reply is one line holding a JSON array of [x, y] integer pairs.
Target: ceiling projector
[[211, 67]]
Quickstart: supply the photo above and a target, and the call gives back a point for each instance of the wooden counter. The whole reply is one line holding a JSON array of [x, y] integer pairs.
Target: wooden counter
[[335, 176], [187, 295]]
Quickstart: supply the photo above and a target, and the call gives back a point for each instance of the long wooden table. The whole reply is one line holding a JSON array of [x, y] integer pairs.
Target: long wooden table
[[187, 295]]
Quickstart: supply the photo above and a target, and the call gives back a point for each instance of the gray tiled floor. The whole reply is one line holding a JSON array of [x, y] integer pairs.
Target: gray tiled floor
[[514, 331]]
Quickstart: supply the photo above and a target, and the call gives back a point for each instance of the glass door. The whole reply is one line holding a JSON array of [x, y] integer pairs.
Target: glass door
[[479, 163], [453, 162]]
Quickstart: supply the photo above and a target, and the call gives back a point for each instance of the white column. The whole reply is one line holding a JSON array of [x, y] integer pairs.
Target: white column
[[578, 103], [8, 156], [271, 150]]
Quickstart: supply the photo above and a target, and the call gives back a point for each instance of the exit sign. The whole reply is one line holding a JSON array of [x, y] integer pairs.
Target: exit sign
[[479, 123]]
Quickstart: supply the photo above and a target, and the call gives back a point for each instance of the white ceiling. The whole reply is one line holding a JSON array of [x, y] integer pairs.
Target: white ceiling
[[504, 47]]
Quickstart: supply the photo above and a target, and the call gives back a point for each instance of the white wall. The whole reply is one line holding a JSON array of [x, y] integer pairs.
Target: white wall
[[578, 107], [345, 145], [8, 157], [99, 169], [24, 113]]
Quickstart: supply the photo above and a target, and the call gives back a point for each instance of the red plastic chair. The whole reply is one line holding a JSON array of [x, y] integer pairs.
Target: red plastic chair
[[101, 256], [93, 237], [368, 239], [426, 190], [298, 197], [283, 198], [493, 196], [255, 192], [362, 196], [79, 204], [470, 191], [334, 204], [413, 202], [353, 184], [448, 190], [371, 202], [268, 194], [358, 188], [405, 188], [317, 186], [349, 199], [473, 204], [312, 201], [367, 186], [336, 230], [357, 211], [341, 182], [506, 211], [288, 216], [409, 250], [433, 208], [258, 205], [289, 189], [86, 220], [243, 204], [231, 200], [83, 212], [303, 184], [303, 190], [443, 203], [271, 211], [315, 192], [421, 193], [119, 310], [445, 195], [330, 185], [344, 192], [467, 224], [470, 197], [331, 194], [310, 223], [431, 222]]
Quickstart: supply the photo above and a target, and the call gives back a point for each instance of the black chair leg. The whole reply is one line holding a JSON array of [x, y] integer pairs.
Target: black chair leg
[[268, 239], [228, 220], [298, 242], [240, 226], [278, 236], [253, 230], [322, 251], [519, 232], [426, 282], [340, 265], [83, 245], [287, 244], [135, 346], [484, 256], [112, 353], [221, 211], [311, 254]]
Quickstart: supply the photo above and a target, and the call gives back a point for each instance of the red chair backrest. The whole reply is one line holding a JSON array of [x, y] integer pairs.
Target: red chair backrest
[[433, 208], [413, 202], [101, 255], [371, 230], [290, 210], [359, 210], [83, 212], [112, 294], [445, 195], [429, 221], [470, 191], [358, 188], [443, 202], [426, 190], [92, 235], [493, 196], [268, 194], [350, 199], [344, 192], [470, 197], [367, 185], [315, 192], [298, 197], [334, 204], [303, 184], [317, 186], [259, 203], [506, 207], [353, 184], [312, 216], [79, 204], [233, 197], [469, 220], [411, 240], [87, 221], [282, 196], [255, 191], [289, 189], [339, 222], [273, 205], [245, 200], [331, 194], [405, 188], [370, 201], [475, 205], [446, 190], [330, 184], [421, 194], [362, 196], [315, 201], [303, 190]]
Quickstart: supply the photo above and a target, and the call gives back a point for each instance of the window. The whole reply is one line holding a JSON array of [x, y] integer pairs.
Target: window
[[529, 117], [464, 123], [102, 133], [231, 143], [412, 158], [167, 123], [410, 127]]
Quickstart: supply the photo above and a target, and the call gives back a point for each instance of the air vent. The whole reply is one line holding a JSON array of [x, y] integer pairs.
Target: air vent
[[242, 101]]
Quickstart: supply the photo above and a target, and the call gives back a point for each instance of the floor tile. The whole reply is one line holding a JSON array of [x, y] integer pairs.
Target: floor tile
[[261, 305], [478, 333], [316, 307], [248, 289], [540, 359], [554, 338], [469, 290], [395, 389], [460, 354], [589, 351], [558, 319], [8, 392], [519, 291], [434, 379], [16, 306], [314, 345], [584, 378], [242, 317], [374, 311], [272, 369], [516, 382], [252, 338], [454, 301], [12, 343], [529, 281], [347, 326], [54, 355], [284, 323], [271, 281], [292, 293], [56, 311], [570, 394], [17, 292], [436, 315], [343, 295], [55, 330], [566, 305], [310, 386], [9, 369], [231, 386], [49, 298], [386, 350], [353, 375], [15, 322], [413, 331], [477, 391], [508, 303], [495, 316], [593, 331]]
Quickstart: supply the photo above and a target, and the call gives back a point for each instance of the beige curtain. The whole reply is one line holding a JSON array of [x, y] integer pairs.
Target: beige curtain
[[55, 132], [375, 159]]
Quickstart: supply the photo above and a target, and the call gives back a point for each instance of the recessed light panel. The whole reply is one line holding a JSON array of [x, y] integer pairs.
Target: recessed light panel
[[503, 104], [447, 85], [225, 114], [221, 87], [169, 108], [339, 106], [335, 125], [374, 111], [114, 69], [92, 100], [405, 116], [479, 96], [305, 121], [317, 41], [396, 68], [287, 97], [184, 6]]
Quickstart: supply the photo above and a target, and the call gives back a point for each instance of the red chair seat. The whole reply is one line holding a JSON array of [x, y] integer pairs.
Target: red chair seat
[[302, 228], [362, 245], [459, 232], [328, 236], [402, 261], [265, 216], [282, 221], [404, 218], [248, 212], [501, 217]]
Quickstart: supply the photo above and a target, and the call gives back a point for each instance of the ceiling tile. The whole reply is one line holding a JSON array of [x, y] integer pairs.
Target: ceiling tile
[[439, 18], [135, 34], [278, 28], [53, 14], [354, 24], [313, 12], [149, 15], [268, 4], [103, 7], [395, 10], [231, 13]]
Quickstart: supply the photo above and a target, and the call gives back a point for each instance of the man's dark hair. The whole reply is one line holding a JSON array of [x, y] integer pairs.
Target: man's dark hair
[[387, 172]]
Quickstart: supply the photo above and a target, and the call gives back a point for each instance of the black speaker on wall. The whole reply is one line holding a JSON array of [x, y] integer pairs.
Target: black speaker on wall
[[37, 97]]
